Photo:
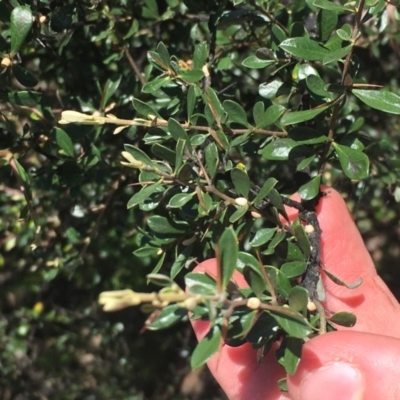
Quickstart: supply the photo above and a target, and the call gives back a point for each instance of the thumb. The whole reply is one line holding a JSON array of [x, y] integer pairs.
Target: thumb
[[348, 365]]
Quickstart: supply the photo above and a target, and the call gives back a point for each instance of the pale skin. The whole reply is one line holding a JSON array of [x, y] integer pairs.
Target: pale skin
[[359, 363]]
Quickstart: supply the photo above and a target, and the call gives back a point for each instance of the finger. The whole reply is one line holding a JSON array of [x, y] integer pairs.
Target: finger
[[236, 368], [345, 255], [348, 366]]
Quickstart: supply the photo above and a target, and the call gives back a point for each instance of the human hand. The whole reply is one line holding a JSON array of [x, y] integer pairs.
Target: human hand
[[359, 363]]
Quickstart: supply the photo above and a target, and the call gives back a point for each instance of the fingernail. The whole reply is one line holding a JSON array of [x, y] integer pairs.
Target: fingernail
[[332, 382]]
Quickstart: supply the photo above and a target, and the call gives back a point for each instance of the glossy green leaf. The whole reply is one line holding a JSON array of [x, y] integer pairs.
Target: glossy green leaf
[[274, 89], [180, 199], [246, 259], [228, 254], [306, 135], [379, 99], [168, 316], [289, 356], [158, 266], [317, 86], [110, 88], [179, 150], [163, 53], [208, 346], [337, 54], [295, 117], [294, 269], [343, 318], [191, 102], [213, 102], [330, 5], [241, 181], [200, 283], [24, 177], [181, 261], [278, 149], [276, 200], [163, 225], [326, 22], [23, 76], [255, 280], [164, 153], [292, 323], [302, 240], [239, 213], [236, 112], [355, 164], [311, 189], [269, 116], [256, 63], [262, 236], [265, 189], [338, 281], [64, 142], [305, 48], [21, 23], [143, 194]]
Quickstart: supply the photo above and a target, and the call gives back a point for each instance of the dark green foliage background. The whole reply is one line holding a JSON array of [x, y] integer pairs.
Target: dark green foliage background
[[70, 349]]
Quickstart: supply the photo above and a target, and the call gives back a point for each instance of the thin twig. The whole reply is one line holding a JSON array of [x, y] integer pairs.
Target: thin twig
[[134, 67]]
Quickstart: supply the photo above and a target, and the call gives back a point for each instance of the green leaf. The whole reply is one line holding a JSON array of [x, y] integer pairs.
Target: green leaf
[[379, 99], [177, 132], [330, 5], [274, 89], [212, 159], [241, 181], [255, 280], [163, 53], [317, 86], [110, 88], [343, 318], [191, 102], [168, 316], [246, 259], [326, 22], [236, 112], [228, 254], [158, 265], [208, 346], [200, 283], [155, 84], [24, 98], [23, 175], [289, 356], [295, 117], [164, 153], [302, 240], [180, 199], [355, 164], [269, 116], [21, 23], [147, 251], [262, 236], [298, 299], [140, 155], [212, 100], [144, 109], [336, 55], [310, 190], [256, 63], [143, 194], [163, 225], [278, 149], [64, 142], [200, 55], [276, 200], [240, 211], [179, 150], [305, 48], [292, 322], [294, 269], [192, 75], [23, 76], [265, 189]]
